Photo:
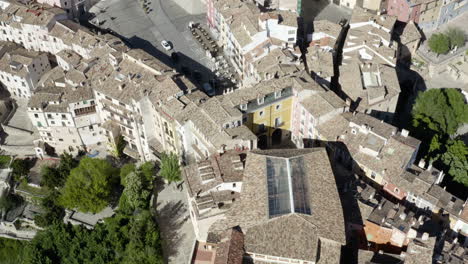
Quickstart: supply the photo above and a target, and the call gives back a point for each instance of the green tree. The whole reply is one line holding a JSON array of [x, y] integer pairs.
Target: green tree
[[53, 212], [20, 168], [170, 168], [50, 177], [125, 170], [136, 192], [440, 110], [148, 170], [456, 37], [439, 43], [89, 186], [455, 157], [11, 251]]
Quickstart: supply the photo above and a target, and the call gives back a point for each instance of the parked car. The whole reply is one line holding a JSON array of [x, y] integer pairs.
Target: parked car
[[166, 45]]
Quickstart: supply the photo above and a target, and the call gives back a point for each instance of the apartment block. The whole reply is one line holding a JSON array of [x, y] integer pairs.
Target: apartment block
[[301, 222], [370, 38], [246, 34], [371, 88], [74, 8], [64, 111], [314, 107], [267, 107], [213, 186], [412, 10], [290, 5], [21, 70], [451, 9], [370, 148]]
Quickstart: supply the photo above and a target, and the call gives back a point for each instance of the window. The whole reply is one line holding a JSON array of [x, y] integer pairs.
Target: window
[[49, 135], [64, 124], [91, 128], [60, 139], [52, 122], [64, 116], [261, 128], [36, 115], [245, 119], [39, 124], [234, 185], [243, 107], [49, 116], [261, 100], [23, 84], [261, 113], [277, 107], [278, 94], [373, 175], [291, 39], [74, 140], [293, 31], [277, 122]]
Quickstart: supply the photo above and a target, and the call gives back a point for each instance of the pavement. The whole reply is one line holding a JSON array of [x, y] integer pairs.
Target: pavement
[[166, 21], [460, 22], [175, 224], [324, 10]]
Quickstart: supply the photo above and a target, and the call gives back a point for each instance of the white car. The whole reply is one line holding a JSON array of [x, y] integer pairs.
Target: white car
[[166, 45]]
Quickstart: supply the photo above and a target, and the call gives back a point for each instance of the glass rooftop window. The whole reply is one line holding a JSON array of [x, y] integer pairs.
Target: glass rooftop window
[[287, 186]]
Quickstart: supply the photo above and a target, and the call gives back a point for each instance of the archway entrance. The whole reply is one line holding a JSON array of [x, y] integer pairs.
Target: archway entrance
[[262, 142], [276, 137]]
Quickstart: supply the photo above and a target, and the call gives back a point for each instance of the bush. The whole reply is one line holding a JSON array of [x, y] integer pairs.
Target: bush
[[439, 43], [456, 37], [4, 161]]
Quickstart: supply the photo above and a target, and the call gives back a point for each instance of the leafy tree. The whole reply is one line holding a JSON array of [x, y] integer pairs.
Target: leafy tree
[[439, 43], [125, 170], [148, 170], [50, 177], [456, 37], [11, 251], [170, 168], [53, 212], [437, 114], [89, 186], [20, 168], [455, 157], [440, 110], [136, 192], [9, 201], [117, 147], [120, 239], [53, 177]]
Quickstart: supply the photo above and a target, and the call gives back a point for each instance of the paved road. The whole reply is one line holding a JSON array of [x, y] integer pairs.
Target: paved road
[[175, 224], [166, 21]]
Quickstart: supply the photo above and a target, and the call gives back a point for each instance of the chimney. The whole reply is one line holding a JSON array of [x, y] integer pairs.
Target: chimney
[[404, 132], [429, 167], [421, 164]]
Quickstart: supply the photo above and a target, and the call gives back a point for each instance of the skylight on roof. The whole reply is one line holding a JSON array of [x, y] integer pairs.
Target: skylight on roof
[[287, 186]]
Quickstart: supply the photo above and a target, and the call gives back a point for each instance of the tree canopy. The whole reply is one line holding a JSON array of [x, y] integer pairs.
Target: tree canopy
[[170, 168], [89, 186], [440, 110], [456, 37], [437, 114], [439, 43]]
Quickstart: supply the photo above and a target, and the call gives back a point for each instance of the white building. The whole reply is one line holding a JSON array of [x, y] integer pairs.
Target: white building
[[20, 70], [65, 113]]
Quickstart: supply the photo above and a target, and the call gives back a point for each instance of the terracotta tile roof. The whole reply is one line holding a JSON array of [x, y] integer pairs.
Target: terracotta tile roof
[[292, 235]]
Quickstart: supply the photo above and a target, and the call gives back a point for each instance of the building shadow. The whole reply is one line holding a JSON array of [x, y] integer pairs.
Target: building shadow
[[347, 183], [170, 223]]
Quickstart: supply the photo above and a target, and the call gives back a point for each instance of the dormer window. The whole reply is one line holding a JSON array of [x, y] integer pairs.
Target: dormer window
[[243, 107], [277, 94], [260, 100]]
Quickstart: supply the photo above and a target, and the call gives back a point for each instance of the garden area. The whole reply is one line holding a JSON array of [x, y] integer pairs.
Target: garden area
[[442, 43], [436, 117], [90, 185]]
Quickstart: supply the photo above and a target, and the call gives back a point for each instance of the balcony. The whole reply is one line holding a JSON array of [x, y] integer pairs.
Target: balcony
[[131, 152]]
